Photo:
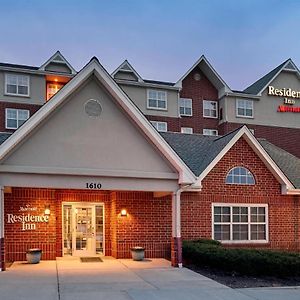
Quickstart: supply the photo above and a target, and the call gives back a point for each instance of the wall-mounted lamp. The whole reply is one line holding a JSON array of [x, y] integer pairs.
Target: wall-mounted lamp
[[47, 210], [123, 213]]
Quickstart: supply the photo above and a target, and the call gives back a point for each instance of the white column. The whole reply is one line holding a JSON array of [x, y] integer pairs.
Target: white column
[[176, 220]]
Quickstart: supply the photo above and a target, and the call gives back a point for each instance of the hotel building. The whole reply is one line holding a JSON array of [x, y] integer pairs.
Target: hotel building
[[83, 172]]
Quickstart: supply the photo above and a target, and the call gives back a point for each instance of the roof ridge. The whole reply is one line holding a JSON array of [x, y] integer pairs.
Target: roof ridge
[[251, 88]]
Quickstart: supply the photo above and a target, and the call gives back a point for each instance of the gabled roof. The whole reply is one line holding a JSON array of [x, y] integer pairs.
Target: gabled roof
[[259, 86], [202, 153], [57, 58], [287, 162], [95, 68], [209, 72], [125, 66]]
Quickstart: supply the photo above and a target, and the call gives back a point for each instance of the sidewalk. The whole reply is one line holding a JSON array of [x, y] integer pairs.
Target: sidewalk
[[69, 279]]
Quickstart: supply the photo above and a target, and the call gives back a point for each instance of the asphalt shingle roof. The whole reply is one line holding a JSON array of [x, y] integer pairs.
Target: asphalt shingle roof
[[18, 66], [198, 151], [257, 86]]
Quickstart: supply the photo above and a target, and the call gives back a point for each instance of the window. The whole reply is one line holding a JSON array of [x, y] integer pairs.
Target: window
[[52, 89], [160, 126], [210, 109], [210, 132], [185, 107], [17, 85], [240, 175], [188, 130], [14, 118], [157, 99], [244, 108], [240, 222]]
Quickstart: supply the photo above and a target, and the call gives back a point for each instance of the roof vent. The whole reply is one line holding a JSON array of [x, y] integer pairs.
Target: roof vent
[[93, 108], [197, 76]]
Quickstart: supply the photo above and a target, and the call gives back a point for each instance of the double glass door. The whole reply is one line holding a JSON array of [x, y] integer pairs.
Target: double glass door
[[83, 229]]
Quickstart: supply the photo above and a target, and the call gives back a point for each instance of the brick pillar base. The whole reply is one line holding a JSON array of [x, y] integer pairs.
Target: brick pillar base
[[176, 252], [2, 262]]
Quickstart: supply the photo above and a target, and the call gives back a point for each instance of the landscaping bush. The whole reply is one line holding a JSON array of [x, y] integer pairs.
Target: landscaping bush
[[209, 253]]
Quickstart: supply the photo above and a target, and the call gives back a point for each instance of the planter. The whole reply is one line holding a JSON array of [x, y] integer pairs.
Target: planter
[[138, 253], [33, 256]]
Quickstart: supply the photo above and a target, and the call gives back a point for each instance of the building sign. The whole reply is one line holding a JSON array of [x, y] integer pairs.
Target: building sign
[[287, 94], [27, 218]]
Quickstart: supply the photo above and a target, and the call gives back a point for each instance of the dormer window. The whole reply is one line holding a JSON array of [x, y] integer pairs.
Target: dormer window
[[240, 175], [16, 85], [157, 99]]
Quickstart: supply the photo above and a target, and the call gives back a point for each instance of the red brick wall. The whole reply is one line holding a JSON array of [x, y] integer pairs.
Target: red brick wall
[[3, 105], [285, 138], [284, 212], [148, 222], [198, 91]]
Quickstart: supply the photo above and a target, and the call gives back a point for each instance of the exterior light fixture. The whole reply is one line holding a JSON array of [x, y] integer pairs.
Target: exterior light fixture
[[55, 80], [123, 213], [47, 210]]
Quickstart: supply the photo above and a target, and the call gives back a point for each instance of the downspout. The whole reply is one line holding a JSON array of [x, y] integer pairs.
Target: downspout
[[176, 224], [2, 249]]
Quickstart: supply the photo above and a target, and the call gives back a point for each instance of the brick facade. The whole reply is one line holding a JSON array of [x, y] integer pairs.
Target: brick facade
[[284, 211], [148, 223], [283, 137], [197, 90], [3, 105]]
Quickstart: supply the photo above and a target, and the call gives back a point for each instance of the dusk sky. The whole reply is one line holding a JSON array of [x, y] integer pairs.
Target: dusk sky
[[242, 39]]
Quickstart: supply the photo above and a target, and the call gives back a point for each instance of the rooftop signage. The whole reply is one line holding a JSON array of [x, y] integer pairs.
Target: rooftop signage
[[287, 93]]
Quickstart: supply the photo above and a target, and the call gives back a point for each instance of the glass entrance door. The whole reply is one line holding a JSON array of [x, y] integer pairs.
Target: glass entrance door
[[83, 229]]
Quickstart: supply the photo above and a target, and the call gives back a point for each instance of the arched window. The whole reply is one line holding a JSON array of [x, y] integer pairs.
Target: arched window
[[240, 175]]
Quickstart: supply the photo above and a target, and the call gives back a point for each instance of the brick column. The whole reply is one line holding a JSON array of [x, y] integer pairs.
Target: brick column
[[176, 243], [2, 248]]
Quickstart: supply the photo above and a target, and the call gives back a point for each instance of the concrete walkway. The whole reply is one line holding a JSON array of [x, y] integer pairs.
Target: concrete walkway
[[67, 279]]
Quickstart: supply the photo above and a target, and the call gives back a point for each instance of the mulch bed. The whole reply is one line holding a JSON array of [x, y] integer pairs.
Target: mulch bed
[[236, 281]]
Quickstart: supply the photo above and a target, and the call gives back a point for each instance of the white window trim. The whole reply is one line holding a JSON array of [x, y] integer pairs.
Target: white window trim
[[210, 130], [157, 108], [12, 94], [241, 175], [17, 109], [242, 116], [186, 99], [217, 108], [182, 128], [249, 223], [155, 123]]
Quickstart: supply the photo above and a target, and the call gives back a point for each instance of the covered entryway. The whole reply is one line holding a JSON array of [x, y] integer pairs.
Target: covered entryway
[[90, 145]]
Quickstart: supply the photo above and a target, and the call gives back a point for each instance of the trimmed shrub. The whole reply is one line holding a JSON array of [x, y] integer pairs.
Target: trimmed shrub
[[208, 253]]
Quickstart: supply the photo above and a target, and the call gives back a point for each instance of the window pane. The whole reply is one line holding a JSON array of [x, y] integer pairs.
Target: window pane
[[222, 232], [22, 90], [152, 103], [11, 89], [23, 114], [240, 232], [11, 123]]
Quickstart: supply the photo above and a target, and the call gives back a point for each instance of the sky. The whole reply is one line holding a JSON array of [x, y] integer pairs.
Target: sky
[[162, 39]]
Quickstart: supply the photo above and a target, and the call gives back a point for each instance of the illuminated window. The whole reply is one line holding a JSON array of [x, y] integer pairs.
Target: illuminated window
[[160, 126], [17, 85], [157, 99], [210, 109], [14, 118], [240, 222], [52, 89], [185, 107], [240, 175]]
